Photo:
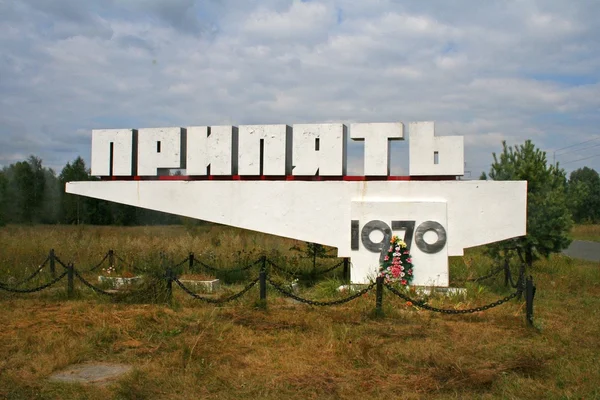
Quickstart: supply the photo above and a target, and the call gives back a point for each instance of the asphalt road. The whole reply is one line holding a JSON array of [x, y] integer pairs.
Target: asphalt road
[[584, 250]]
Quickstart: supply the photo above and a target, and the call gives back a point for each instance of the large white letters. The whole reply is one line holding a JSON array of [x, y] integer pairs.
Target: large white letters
[[319, 149], [112, 152], [377, 146], [211, 149], [431, 155], [158, 148], [271, 142], [272, 150]]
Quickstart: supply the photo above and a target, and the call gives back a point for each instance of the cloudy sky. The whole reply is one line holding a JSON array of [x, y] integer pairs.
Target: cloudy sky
[[488, 70]]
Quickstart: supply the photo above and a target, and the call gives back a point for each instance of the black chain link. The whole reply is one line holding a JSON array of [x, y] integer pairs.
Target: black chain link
[[521, 277], [247, 267], [494, 272], [62, 264], [30, 277], [37, 289], [181, 263], [296, 274], [450, 311], [99, 264], [94, 288], [291, 295], [216, 301], [118, 257]]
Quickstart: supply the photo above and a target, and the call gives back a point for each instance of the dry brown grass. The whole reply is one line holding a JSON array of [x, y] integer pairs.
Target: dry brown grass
[[193, 350]]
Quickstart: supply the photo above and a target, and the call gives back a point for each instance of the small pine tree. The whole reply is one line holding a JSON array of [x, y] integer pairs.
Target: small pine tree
[[548, 216]]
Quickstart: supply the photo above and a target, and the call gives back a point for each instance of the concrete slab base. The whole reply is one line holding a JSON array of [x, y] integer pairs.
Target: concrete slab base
[[91, 373], [422, 290], [202, 286]]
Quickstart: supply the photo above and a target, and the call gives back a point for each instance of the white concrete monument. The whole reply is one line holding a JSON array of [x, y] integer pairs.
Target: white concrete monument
[[292, 182]]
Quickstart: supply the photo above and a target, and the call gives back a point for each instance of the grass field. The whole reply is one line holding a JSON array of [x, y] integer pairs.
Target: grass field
[[241, 350], [586, 232]]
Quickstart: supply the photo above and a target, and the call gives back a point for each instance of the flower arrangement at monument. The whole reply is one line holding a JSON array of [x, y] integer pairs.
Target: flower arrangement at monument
[[111, 272], [118, 279], [397, 266]]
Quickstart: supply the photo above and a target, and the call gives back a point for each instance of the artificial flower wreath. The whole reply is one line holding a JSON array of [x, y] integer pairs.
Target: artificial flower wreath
[[397, 264]]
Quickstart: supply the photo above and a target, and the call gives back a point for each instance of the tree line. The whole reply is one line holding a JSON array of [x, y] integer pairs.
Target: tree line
[[33, 194]]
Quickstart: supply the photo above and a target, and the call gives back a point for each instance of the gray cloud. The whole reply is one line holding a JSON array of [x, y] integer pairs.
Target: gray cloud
[[490, 71]]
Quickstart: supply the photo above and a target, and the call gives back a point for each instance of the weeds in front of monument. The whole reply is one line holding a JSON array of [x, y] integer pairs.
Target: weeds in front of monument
[[194, 350]]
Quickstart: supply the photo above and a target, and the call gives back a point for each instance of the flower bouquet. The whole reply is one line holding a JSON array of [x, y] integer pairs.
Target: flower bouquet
[[116, 280], [397, 266]]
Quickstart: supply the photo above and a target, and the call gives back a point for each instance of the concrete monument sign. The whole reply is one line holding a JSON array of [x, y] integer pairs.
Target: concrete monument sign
[[292, 182]]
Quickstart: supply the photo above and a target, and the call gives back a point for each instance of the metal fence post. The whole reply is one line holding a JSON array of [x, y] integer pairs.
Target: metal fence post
[[169, 276], [191, 262], [529, 295], [52, 263], [521, 283], [111, 258], [262, 275], [379, 296], [70, 283], [346, 269]]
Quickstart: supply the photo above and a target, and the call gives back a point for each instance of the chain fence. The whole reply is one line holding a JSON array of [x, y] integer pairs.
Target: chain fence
[[89, 285], [522, 285], [216, 301], [59, 261], [30, 277], [118, 257], [100, 263], [297, 274], [33, 290], [280, 288], [228, 270], [179, 264], [425, 306], [493, 272]]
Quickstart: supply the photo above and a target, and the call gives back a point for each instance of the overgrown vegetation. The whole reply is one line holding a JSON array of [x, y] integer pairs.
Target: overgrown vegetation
[[288, 350]]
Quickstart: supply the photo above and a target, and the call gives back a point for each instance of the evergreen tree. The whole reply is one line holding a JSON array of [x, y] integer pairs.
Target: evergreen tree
[[548, 216], [584, 194], [73, 208], [51, 206], [38, 187]]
